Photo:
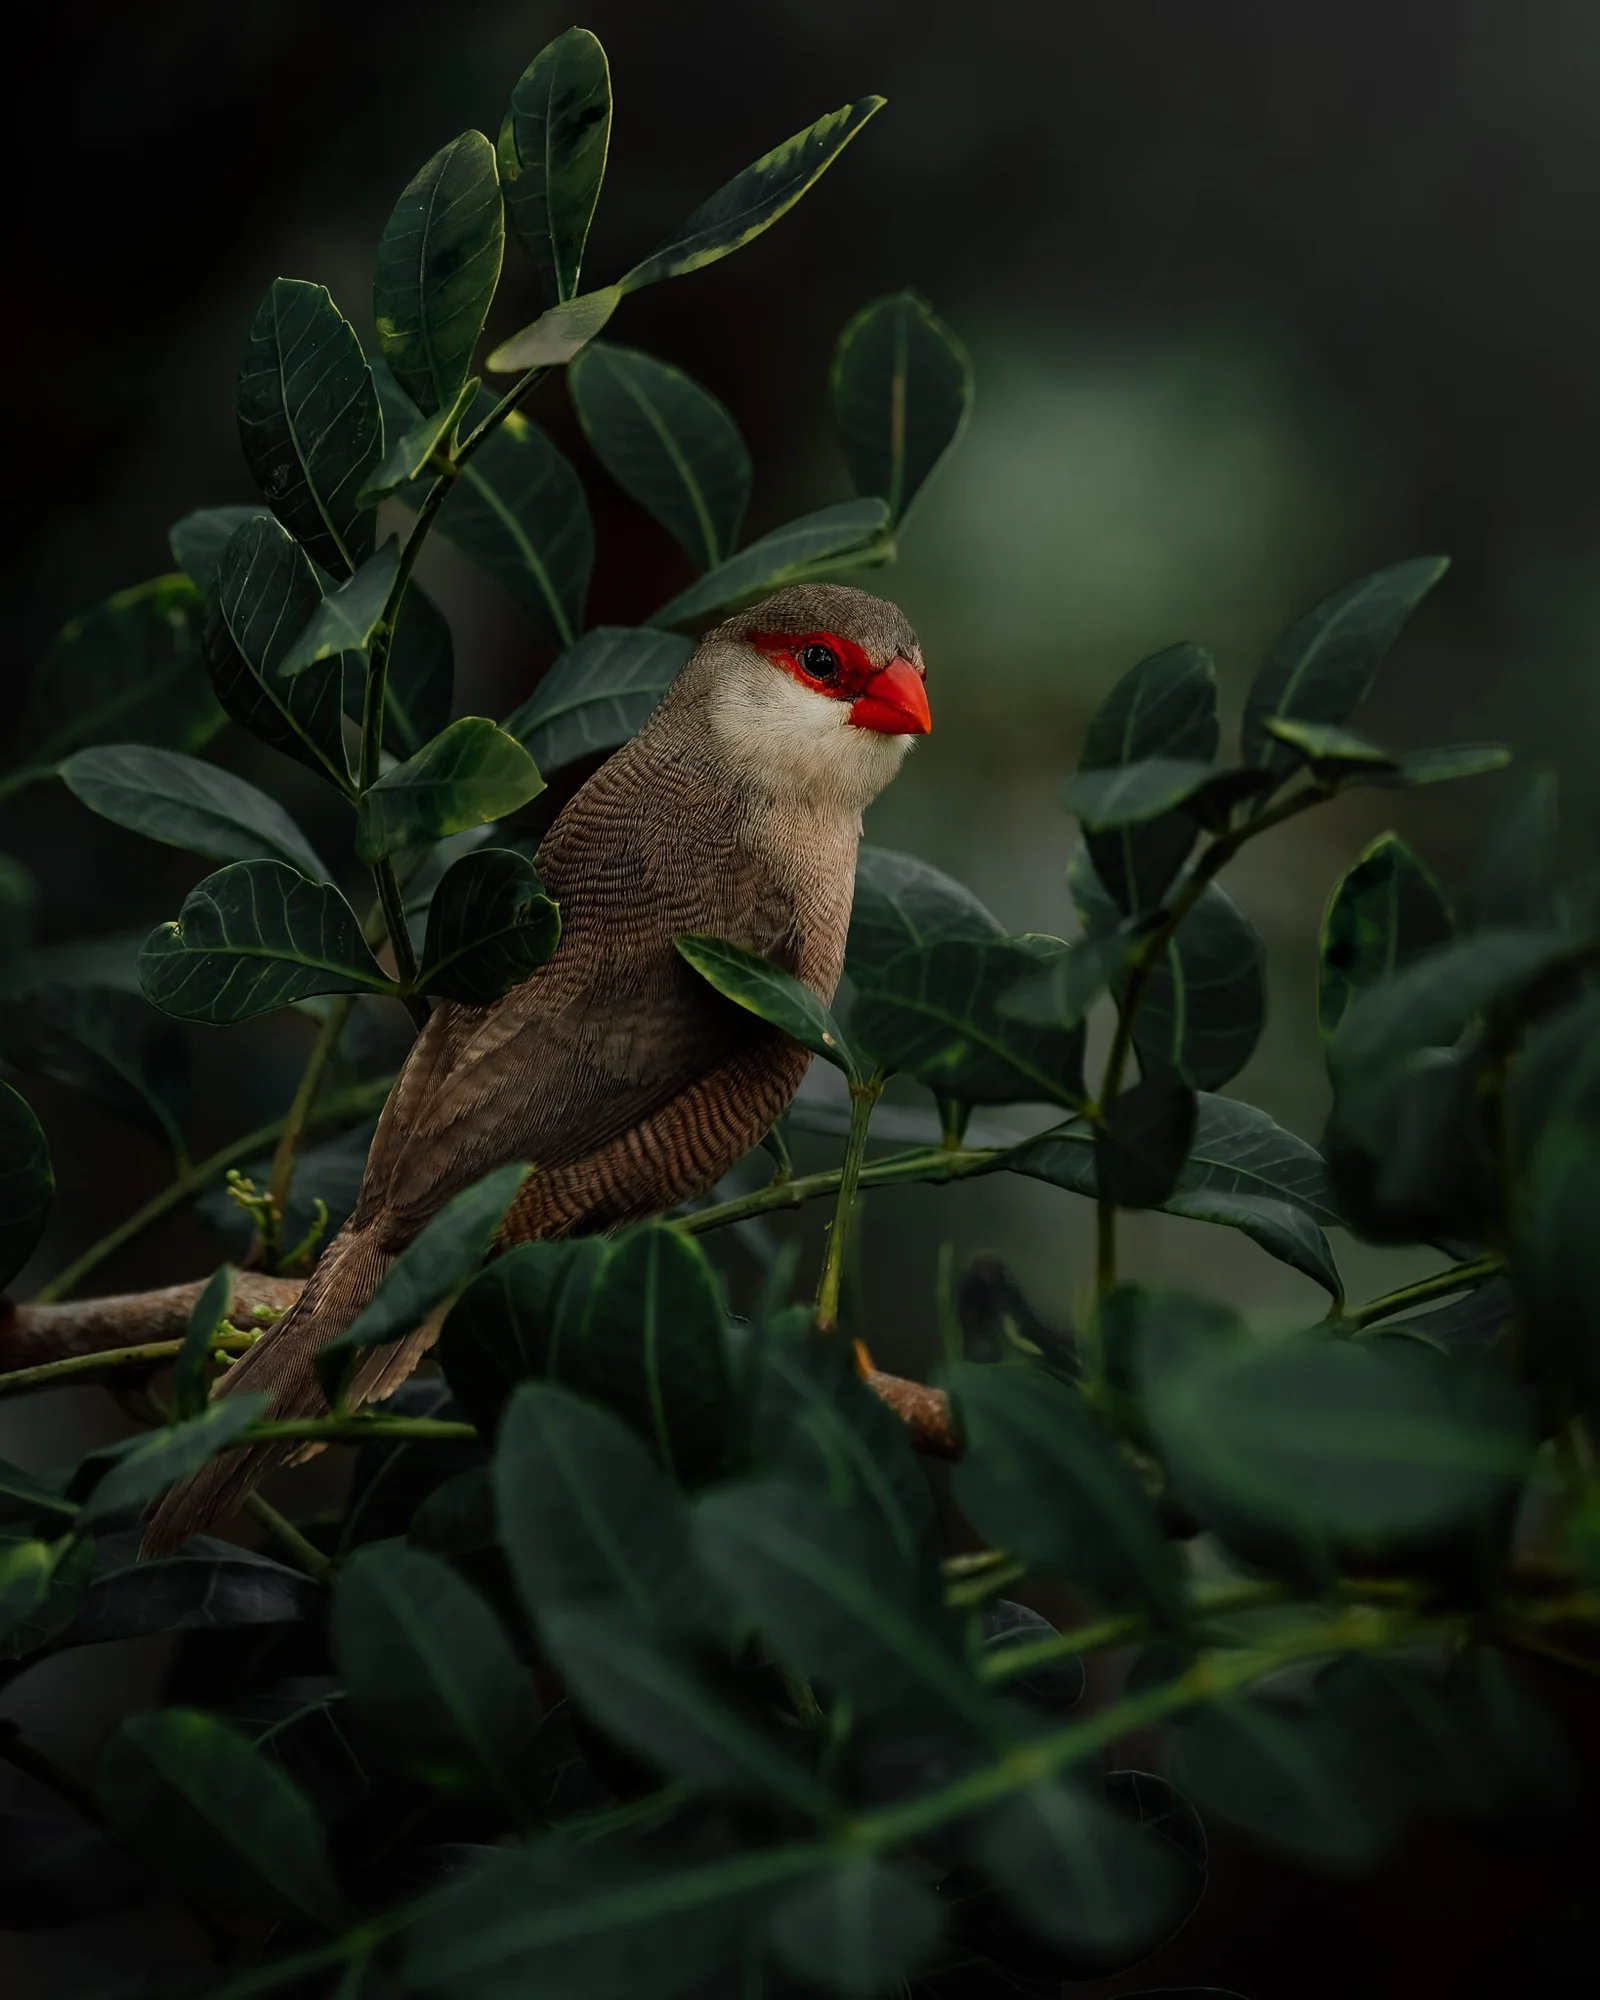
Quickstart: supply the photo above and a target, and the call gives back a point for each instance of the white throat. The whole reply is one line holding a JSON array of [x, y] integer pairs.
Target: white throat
[[789, 740]]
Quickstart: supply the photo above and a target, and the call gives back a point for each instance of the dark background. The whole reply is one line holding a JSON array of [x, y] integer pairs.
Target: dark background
[[1259, 296]]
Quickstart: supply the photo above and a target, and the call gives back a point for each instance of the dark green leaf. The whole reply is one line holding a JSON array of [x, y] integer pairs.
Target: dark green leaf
[[198, 540], [184, 803], [432, 1676], [438, 264], [106, 1043], [432, 1268], [191, 1371], [553, 155], [1040, 1479], [1513, 871], [469, 774], [831, 1590], [1330, 753], [346, 619], [790, 554], [1312, 1451], [1322, 668], [666, 442], [309, 421], [156, 1461], [861, 1928], [674, 1710], [416, 441], [1083, 1874], [1166, 707], [1067, 984], [216, 1816], [254, 937], [753, 200], [1386, 912], [518, 510], [27, 1182], [266, 594], [588, 1522], [503, 1328], [208, 1585], [1051, 1685], [598, 694], [25, 1571], [1135, 794], [1144, 1140], [935, 1013], [128, 671], [489, 925], [570, 1922], [26, 1501], [901, 902], [764, 989], [1452, 760], [421, 676], [901, 385]]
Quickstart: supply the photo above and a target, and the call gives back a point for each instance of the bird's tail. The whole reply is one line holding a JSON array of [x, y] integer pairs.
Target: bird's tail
[[282, 1365]]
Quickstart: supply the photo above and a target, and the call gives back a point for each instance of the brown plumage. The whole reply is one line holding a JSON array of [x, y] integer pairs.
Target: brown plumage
[[627, 1081]]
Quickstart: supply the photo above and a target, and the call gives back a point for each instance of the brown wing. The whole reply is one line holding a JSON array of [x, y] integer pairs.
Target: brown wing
[[615, 1026]]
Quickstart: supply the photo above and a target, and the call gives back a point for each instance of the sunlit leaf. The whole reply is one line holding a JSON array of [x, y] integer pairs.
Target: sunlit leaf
[[553, 155], [787, 555], [416, 441], [254, 937], [598, 694], [184, 803], [347, 617], [901, 385], [472, 772], [1329, 752]]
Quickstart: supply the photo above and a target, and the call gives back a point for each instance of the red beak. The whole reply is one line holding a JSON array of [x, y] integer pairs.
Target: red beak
[[895, 702]]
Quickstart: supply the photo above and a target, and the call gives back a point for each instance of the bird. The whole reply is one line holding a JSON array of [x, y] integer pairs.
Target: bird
[[627, 1082]]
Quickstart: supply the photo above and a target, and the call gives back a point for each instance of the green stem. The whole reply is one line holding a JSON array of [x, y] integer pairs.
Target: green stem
[[930, 1164], [1008, 1661], [152, 1354], [1456, 1279], [863, 1097], [294, 1123], [355, 1428], [348, 1105], [310, 1558], [405, 959]]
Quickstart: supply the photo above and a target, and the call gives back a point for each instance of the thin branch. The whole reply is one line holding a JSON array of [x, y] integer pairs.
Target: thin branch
[[863, 1097], [323, 1049], [97, 1367], [283, 1531], [1456, 1279], [34, 1337]]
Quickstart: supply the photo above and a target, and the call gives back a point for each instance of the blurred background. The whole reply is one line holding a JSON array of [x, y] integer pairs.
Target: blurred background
[[1258, 297]]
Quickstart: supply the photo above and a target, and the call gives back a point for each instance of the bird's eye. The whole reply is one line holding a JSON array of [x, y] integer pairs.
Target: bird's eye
[[819, 661]]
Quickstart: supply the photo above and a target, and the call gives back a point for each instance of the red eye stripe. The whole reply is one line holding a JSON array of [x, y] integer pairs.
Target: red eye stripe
[[784, 649]]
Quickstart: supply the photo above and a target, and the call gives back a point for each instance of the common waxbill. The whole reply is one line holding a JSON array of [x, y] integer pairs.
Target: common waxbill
[[627, 1081]]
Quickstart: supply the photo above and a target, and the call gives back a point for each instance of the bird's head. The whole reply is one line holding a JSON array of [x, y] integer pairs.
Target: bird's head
[[817, 690]]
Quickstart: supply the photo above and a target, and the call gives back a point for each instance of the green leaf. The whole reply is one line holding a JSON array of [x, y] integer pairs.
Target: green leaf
[[191, 1371], [163, 1457], [218, 1819], [106, 1043], [309, 421], [471, 773], [27, 1183], [1312, 1452], [790, 554], [438, 264], [198, 540], [414, 443], [1135, 794], [207, 1586], [1144, 1140], [1039, 1478], [1084, 1875], [252, 938], [489, 925], [1451, 760], [753, 200], [598, 694], [1329, 752], [421, 676], [764, 989], [861, 1928], [266, 594], [557, 336], [668, 443], [901, 385], [587, 1520], [1205, 1000], [518, 510], [32, 1631], [553, 155], [935, 1012], [1068, 983], [901, 902], [1323, 667], [1385, 913], [432, 1268], [27, 1502], [432, 1676], [129, 670], [1165, 707], [184, 803], [346, 619], [673, 1710], [830, 1589], [25, 1572], [1514, 868]]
